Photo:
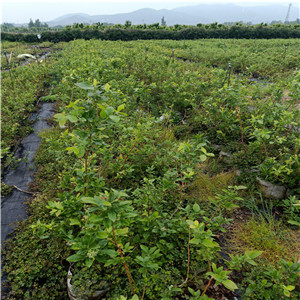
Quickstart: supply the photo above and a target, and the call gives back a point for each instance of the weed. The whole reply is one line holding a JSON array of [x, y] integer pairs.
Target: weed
[[205, 187], [269, 236], [5, 189]]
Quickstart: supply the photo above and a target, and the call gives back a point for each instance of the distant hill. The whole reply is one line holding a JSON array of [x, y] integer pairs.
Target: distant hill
[[70, 19], [141, 16], [188, 15], [232, 13]]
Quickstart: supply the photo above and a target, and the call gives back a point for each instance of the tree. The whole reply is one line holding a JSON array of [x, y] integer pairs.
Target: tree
[[37, 23], [30, 24], [127, 24], [163, 22], [275, 22], [213, 25]]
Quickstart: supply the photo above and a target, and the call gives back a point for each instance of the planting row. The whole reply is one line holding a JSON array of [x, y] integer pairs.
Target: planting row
[[138, 180]]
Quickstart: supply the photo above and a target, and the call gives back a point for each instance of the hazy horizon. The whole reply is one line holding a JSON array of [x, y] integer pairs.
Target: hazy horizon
[[20, 12]]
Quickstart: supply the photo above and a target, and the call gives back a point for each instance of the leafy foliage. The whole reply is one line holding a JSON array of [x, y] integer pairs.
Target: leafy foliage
[[134, 130]]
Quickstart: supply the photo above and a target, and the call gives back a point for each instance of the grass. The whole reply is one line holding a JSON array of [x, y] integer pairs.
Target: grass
[[205, 186], [267, 235]]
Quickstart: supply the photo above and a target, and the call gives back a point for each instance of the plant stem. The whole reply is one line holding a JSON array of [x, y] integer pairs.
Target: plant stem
[[148, 205], [72, 96], [180, 200], [242, 131], [209, 283], [188, 264], [123, 258], [209, 267], [144, 291], [266, 150], [85, 170], [23, 191], [152, 210], [213, 214]]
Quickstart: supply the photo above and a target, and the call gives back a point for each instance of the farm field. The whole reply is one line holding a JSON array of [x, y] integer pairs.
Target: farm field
[[171, 170]]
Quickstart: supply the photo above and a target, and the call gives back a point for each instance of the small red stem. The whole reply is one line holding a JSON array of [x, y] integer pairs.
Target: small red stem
[[123, 258], [209, 283], [188, 264]]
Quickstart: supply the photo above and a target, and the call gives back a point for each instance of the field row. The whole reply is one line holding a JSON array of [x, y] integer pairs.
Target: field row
[[153, 169]]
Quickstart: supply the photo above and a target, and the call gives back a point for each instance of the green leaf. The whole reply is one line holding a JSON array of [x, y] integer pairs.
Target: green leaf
[[196, 207], [107, 87], [203, 150], [135, 297], [290, 287], [195, 241], [84, 86], [103, 114], [102, 107], [204, 297], [72, 150], [89, 262], [101, 235], [121, 107], [72, 119], [190, 222], [110, 252], [217, 277], [122, 231], [286, 293], [61, 118], [203, 157], [116, 119], [230, 285], [95, 219], [81, 152], [76, 257], [112, 216], [253, 254], [110, 262], [75, 222], [144, 248], [209, 243], [42, 237], [95, 200], [251, 262], [294, 222], [109, 110]]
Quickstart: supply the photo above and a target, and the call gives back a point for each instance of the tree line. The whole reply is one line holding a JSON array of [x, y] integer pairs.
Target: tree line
[[128, 32]]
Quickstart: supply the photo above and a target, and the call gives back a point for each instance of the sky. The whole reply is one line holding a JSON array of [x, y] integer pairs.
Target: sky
[[21, 11]]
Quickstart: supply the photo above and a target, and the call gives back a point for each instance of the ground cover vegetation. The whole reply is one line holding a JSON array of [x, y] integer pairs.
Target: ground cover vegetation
[[25, 78], [148, 184], [20, 90]]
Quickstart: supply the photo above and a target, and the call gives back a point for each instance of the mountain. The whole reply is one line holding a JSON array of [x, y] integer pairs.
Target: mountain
[[70, 19], [189, 15], [141, 16], [231, 13], [150, 16]]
